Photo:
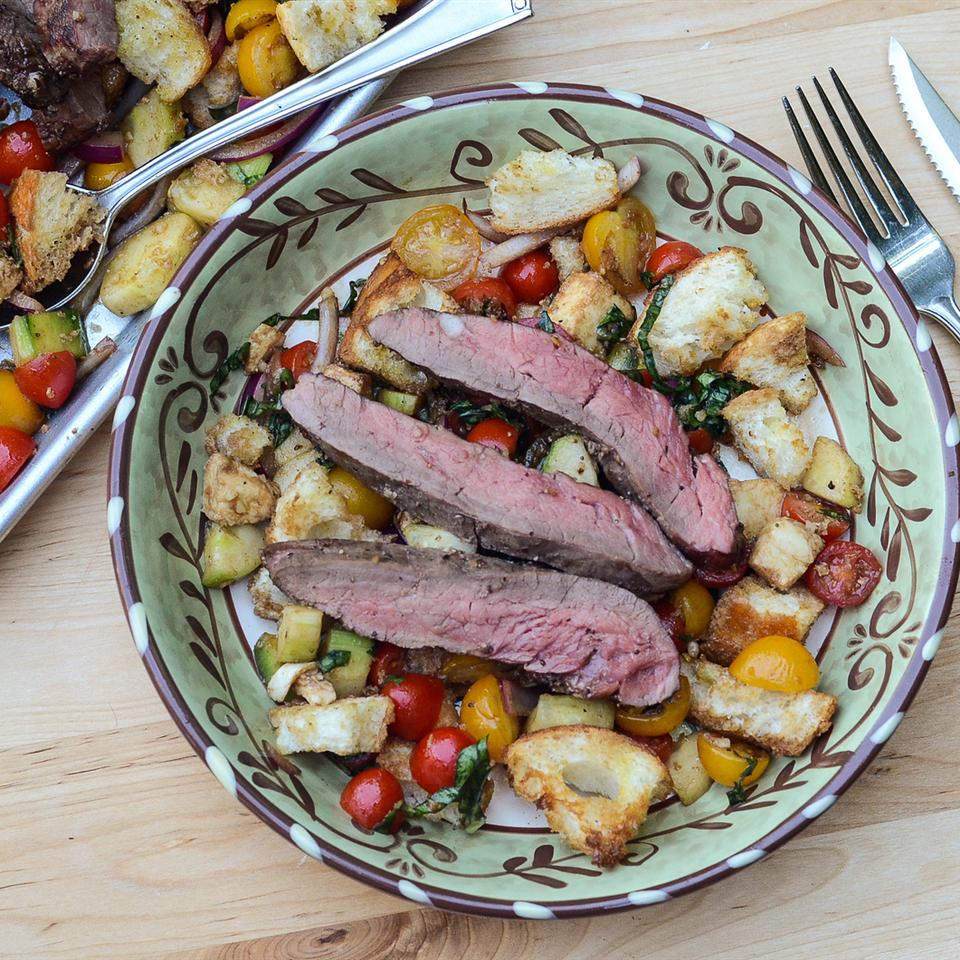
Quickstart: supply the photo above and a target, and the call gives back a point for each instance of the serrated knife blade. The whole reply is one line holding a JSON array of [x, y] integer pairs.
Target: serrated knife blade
[[933, 122]]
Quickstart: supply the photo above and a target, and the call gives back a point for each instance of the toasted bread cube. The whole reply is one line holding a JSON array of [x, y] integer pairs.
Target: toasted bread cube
[[234, 494], [783, 552], [538, 191], [713, 303], [263, 341], [395, 758], [237, 437], [361, 383], [758, 502], [834, 475], [582, 301], [567, 255], [767, 437], [594, 785], [750, 610], [784, 723], [10, 275], [775, 355], [351, 725], [219, 88], [268, 599]]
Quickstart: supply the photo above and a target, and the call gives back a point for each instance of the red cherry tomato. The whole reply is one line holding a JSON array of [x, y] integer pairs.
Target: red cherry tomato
[[671, 257], [496, 433], [718, 578], [830, 523], [388, 661], [16, 448], [532, 276], [672, 621], [844, 574], [700, 440], [416, 700], [4, 213], [22, 149], [48, 379], [297, 359], [488, 296], [660, 746], [433, 762], [371, 796]]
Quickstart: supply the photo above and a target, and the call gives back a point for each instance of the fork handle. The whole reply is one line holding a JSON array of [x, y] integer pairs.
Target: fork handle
[[947, 312]]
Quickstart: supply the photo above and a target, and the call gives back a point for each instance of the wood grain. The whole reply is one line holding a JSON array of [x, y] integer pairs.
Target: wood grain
[[116, 841]]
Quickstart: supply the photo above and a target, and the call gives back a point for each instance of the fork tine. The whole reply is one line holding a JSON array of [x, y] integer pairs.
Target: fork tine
[[877, 200], [890, 177], [809, 158], [854, 202]]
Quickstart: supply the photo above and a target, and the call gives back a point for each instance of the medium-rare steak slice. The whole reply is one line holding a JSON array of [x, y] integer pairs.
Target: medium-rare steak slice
[[644, 451], [473, 491], [595, 638]]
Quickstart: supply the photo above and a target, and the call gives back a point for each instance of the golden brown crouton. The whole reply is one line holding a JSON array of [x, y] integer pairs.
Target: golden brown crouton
[[10, 275], [361, 383], [263, 341], [351, 725], [233, 493], [758, 502], [268, 599], [567, 255], [783, 552], [237, 437], [219, 88], [582, 301], [834, 475]]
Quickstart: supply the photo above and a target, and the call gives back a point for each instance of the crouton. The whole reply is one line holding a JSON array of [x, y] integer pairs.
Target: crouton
[[263, 341], [775, 355], [581, 303], [361, 383], [758, 502], [314, 688], [159, 41], [750, 610], [323, 31], [834, 475], [351, 725], [783, 552], [713, 303], [567, 255], [268, 599], [234, 494], [219, 88], [784, 723], [10, 275], [391, 286], [767, 437], [204, 192], [395, 758], [539, 191], [51, 223], [237, 437], [594, 785], [285, 676]]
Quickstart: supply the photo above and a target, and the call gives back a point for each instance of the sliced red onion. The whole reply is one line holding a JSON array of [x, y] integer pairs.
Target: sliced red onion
[[103, 148], [484, 228], [146, 214], [216, 35], [534, 321], [105, 348], [518, 701], [246, 101], [329, 332], [22, 302], [629, 174], [515, 247], [202, 19], [271, 142], [819, 349]]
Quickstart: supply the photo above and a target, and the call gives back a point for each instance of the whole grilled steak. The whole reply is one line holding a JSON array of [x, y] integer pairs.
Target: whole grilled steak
[[596, 639], [473, 491], [644, 451]]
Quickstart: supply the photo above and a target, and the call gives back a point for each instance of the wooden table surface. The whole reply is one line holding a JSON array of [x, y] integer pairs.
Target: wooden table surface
[[117, 842]]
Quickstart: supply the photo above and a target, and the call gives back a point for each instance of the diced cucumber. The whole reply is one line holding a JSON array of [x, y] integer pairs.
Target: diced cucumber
[[350, 679], [298, 638], [265, 656], [625, 357], [33, 334], [425, 536], [408, 403], [248, 172], [569, 455], [553, 710], [230, 553], [687, 773], [151, 127]]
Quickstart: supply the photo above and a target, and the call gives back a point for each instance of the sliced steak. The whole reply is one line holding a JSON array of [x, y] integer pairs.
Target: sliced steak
[[644, 451], [81, 113], [76, 34], [473, 491], [595, 638]]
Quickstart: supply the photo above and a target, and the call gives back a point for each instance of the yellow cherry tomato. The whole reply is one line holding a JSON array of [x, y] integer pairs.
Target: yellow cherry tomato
[[376, 511], [618, 242], [97, 176], [265, 61], [438, 243], [695, 602], [659, 719], [244, 15], [727, 761], [464, 668], [776, 663], [16, 410], [483, 714]]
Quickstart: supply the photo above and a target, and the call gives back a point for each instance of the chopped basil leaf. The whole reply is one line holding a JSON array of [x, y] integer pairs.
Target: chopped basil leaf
[[647, 279], [737, 794], [700, 400], [612, 327], [393, 678], [649, 319], [355, 287], [280, 426], [473, 768], [386, 825], [334, 659], [235, 361], [545, 323], [470, 414], [833, 514]]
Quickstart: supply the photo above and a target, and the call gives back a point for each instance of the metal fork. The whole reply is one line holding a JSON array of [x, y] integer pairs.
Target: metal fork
[[905, 238]]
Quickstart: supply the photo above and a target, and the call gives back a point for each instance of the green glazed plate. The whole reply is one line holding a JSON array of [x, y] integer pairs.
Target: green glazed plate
[[323, 217]]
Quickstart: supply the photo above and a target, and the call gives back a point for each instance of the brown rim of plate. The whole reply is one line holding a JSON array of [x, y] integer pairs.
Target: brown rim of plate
[[893, 711]]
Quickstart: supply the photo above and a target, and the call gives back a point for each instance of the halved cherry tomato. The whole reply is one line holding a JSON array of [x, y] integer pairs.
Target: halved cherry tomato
[[483, 713], [371, 797], [717, 578], [844, 574], [660, 746], [48, 379], [618, 242], [22, 149], [671, 257], [4, 212], [297, 359], [727, 761], [98, 176], [496, 433], [828, 522], [671, 620], [265, 61], [438, 243], [659, 719], [17, 410], [244, 15], [700, 440], [417, 699], [388, 661], [16, 448], [488, 296], [376, 511], [465, 668], [532, 276], [695, 604], [433, 762], [776, 663]]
